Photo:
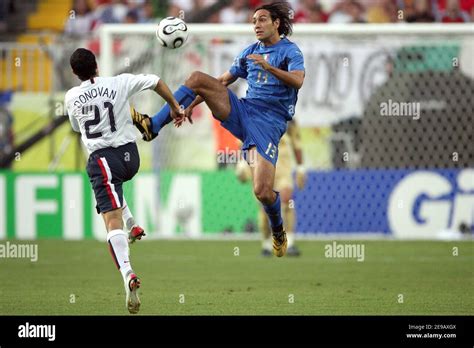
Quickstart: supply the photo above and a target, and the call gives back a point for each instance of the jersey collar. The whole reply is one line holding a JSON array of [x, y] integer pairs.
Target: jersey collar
[[88, 82]]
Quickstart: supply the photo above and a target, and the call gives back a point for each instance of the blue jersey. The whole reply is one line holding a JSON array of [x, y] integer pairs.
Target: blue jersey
[[264, 88]]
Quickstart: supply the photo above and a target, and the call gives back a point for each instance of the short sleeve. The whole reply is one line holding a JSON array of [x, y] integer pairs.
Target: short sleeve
[[70, 113], [138, 83], [239, 67], [296, 60]]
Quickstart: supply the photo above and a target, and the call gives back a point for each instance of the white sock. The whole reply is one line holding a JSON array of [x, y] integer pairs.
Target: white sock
[[291, 239], [119, 249], [267, 244]]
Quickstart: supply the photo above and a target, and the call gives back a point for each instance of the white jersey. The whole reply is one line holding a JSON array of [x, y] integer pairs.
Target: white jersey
[[101, 111]]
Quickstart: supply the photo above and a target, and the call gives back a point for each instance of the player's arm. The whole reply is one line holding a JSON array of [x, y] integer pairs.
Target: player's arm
[[74, 124], [293, 132], [163, 91], [226, 79], [72, 119], [293, 78]]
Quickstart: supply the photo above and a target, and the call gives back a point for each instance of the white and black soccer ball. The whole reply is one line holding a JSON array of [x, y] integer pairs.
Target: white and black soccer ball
[[172, 32]]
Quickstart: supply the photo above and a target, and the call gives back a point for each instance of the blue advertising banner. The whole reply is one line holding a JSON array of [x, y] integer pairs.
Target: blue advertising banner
[[405, 203]]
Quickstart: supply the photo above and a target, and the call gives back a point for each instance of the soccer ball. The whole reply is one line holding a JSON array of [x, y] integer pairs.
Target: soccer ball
[[172, 32]]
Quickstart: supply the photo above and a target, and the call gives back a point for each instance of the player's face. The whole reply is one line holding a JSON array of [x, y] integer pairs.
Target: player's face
[[263, 26]]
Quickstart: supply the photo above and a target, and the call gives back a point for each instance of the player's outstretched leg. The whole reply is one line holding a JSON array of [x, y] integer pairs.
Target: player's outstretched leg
[[209, 88], [151, 126], [142, 122], [135, 232], [118, 246], [263, 173]]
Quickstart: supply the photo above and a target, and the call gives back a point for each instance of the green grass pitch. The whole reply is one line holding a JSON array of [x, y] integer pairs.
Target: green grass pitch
[[79, 278]]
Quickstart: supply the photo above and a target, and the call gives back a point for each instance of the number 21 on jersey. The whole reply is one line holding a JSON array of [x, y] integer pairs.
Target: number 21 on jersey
[[87, 109]]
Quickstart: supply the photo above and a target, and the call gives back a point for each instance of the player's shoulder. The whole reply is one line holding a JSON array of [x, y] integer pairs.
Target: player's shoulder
[[291, 49], [71, 93], [289, 45], [128, 76], [112, 79], [124, 76], [117, 81], [252, 47]]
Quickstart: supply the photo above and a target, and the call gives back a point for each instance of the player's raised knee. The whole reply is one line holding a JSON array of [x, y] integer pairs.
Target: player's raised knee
[[195, 80]]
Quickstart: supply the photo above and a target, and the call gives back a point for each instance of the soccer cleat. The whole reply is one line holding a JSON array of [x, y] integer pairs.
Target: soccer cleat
[[136, 232], [131, 290], [293, 251], [144, 126], [280, 243], [266, 253]]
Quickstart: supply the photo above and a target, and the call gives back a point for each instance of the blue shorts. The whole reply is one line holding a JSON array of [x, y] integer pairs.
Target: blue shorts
[[256, 126]]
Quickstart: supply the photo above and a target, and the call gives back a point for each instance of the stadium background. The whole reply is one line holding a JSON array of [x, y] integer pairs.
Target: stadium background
[[368, 174]]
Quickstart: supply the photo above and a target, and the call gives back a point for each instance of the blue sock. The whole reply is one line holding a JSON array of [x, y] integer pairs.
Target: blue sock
[[274, 214], [184, 95]]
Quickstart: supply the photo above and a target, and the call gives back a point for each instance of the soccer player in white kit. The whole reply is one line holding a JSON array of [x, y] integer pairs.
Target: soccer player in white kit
[[99, 109]]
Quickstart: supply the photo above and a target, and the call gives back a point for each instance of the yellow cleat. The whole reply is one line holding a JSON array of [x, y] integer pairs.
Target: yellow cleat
[[144, 126], [280, 244]]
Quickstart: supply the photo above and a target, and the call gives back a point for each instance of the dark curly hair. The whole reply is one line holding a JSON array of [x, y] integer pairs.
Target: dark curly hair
[[83, 64], [282, 11]]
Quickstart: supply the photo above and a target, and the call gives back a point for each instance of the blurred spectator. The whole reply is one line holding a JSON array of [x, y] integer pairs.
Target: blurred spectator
[[131, 17], [178, 8], [464, 5], [317, 15], [453, 13], [240, 11], [113, 11], [80, 21], [146, 13], [135, 4], [382, 11], [237, 12], [419, 12], [4, 10], [310, 11], [347, 11], [185, 8]]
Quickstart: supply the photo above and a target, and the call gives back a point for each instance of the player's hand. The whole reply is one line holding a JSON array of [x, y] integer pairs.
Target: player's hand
[[258, 59], [300, 177], [177, 113], [187, 114]]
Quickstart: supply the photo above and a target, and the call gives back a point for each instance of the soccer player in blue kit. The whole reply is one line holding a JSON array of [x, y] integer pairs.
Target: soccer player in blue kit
[[274, 70]]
